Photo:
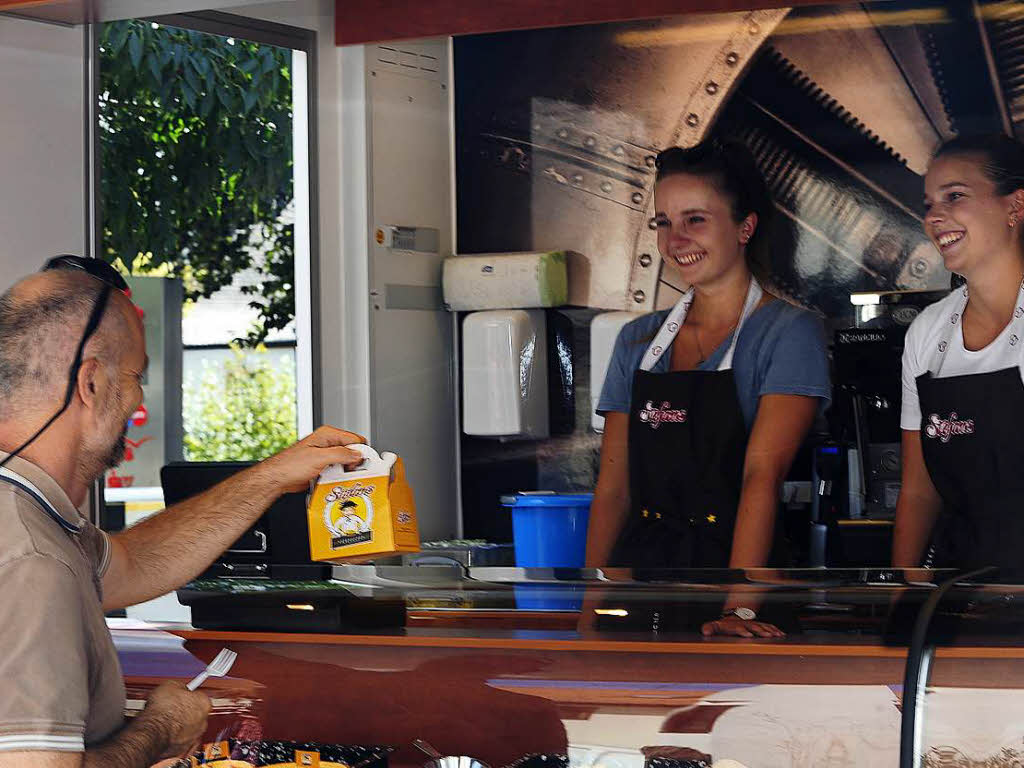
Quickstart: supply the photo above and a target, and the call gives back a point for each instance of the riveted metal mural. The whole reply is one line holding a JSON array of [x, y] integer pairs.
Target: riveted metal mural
[[841, 105]]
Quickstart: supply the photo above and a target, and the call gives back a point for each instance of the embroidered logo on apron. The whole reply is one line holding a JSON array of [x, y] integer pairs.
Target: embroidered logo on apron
[[944, 429], [663, 414]]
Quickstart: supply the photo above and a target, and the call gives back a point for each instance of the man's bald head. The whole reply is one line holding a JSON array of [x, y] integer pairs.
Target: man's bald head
[[42, 318]]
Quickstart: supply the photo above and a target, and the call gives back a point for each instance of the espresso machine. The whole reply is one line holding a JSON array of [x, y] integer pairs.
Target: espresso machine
[[856, 473]]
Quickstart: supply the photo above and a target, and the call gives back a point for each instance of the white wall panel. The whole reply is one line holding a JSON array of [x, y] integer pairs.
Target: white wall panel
[[42, 182]]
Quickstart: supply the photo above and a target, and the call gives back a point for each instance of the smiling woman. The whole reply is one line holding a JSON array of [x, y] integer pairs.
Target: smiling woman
[[713, 190], [961, 486], [706, 404]]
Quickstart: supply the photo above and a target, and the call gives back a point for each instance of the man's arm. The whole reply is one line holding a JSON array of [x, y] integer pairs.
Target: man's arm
[[171, 725], [168, 549]]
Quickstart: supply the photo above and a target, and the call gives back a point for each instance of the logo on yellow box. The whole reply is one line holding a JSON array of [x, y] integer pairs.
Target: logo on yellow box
[[348, 515]]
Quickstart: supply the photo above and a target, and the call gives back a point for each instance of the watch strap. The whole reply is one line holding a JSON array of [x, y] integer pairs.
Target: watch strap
[[744, 614]]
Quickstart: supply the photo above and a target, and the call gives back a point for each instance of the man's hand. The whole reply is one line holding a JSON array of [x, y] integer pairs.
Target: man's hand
[[170, 726], [179, 714], [166, 550], [293, 468], [737, 627]]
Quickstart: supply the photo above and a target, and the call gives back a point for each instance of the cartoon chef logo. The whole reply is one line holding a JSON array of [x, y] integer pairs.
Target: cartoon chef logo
[[348, 515], [216, 750], [655, 416], [944, 429]]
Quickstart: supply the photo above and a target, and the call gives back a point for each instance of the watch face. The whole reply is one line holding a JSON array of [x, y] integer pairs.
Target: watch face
[[744, 613]]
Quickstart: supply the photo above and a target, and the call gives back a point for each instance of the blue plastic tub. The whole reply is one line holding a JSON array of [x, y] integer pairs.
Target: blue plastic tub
[[549, 531]]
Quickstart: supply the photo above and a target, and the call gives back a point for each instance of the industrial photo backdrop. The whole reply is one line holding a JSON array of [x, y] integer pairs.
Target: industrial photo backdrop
[[842, 106]]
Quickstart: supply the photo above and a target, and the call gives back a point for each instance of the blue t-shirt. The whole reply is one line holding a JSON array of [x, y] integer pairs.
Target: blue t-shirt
[[781, 351]]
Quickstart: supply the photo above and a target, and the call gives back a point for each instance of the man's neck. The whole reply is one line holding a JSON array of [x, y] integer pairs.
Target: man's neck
[[55, 452]]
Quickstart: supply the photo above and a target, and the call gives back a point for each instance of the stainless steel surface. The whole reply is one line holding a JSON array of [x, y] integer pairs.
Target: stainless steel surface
[[413, 578]]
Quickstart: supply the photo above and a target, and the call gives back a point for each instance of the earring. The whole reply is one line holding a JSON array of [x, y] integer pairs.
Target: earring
[[1013, 220]]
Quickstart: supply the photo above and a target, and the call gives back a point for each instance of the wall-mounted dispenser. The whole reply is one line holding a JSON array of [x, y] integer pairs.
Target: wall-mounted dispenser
[[506, 281], [604, 330], [504, 374]]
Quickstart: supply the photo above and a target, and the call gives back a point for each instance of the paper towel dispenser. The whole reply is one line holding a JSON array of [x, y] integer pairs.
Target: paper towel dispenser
[[506, 281], [504, 374]]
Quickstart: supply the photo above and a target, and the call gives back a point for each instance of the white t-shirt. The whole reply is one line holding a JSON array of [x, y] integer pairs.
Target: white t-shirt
[[920, 352]]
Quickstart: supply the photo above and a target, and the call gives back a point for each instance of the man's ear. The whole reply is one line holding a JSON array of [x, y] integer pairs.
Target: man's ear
[[90, 381]]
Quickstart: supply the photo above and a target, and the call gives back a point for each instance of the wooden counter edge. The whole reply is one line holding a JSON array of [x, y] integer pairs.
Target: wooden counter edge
[[716, 646]]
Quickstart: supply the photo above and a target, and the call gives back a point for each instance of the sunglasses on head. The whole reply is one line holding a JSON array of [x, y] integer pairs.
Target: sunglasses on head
[[111, 280], [95, 267]]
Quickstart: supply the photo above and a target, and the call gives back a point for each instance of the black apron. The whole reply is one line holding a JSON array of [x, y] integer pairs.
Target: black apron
[[687, 445], [970, 437], [684, 476]]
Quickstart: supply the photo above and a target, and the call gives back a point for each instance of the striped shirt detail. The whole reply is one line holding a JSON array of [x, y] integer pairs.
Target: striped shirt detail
[[40, 741], [12, 477], [101, 569]]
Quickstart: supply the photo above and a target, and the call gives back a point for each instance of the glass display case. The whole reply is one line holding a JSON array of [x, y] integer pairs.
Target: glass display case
[[609, 667]]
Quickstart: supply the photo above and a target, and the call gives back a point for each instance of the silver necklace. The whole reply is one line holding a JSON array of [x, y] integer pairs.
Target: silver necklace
[[700, 349]]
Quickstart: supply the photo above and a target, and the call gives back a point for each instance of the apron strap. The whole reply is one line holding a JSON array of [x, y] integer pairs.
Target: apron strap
[[754, 293], [13, 478], [956, 320], [677, 316], [667, 333]]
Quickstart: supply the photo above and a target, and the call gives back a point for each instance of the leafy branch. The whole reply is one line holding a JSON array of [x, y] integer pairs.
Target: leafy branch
[[196, 153]]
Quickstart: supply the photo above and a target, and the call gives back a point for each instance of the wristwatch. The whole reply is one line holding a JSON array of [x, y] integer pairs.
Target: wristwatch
[[743, 614]]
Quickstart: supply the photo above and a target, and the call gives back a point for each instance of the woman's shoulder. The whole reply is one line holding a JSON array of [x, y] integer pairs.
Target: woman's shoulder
[[779, 314], [934, 315]]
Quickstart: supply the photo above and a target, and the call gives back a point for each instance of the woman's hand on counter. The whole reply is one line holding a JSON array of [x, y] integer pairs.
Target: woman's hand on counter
[[737, 627]]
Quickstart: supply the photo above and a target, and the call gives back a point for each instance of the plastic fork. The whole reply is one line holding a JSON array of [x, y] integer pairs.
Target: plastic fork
[[219, 667]]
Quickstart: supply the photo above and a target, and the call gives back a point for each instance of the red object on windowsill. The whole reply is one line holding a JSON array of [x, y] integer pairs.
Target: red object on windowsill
[[120, 481]]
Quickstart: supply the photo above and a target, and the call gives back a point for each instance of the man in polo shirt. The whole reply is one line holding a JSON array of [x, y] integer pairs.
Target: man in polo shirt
[[62, 695]]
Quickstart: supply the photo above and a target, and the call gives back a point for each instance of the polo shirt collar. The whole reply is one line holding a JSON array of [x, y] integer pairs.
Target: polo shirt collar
[[70, 518]]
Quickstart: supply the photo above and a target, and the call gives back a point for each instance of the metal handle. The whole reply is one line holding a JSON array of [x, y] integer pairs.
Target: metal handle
[[436, 560], [920, 654], [263, 545]]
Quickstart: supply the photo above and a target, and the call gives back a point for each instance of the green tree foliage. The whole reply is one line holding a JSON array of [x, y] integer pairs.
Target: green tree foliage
[[195, 136], [242, 411]]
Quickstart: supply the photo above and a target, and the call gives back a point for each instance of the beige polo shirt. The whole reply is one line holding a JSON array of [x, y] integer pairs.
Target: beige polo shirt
[[61, 687]]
